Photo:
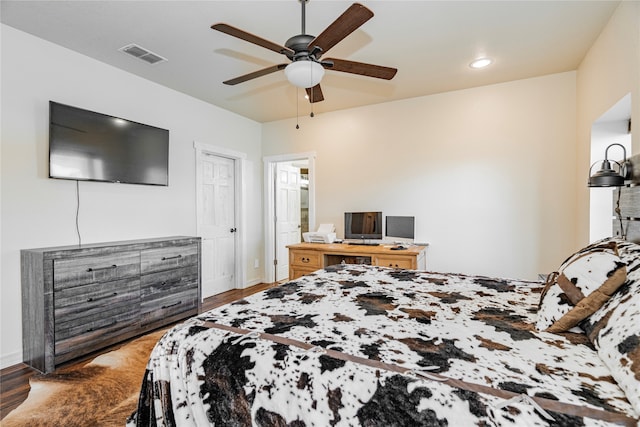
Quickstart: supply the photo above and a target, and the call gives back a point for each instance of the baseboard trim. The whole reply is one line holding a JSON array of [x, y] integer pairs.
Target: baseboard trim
[[253, 282], [11, 359]]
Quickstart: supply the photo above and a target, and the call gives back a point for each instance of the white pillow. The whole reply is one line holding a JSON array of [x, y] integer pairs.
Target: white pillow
[[583, 284]]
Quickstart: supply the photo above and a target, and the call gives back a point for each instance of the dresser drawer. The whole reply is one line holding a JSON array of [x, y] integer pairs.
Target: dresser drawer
[[77, 271], [158, 285], [168, 304], [81, 338], [107, 313], [84, 311], [306, 259], [95, 299], [170, 257], [80, 325]]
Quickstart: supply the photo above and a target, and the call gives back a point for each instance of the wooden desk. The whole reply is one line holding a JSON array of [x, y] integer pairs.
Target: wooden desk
[[305, 258]]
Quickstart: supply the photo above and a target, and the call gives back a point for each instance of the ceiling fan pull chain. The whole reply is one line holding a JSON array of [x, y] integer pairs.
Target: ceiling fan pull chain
[[297, 111], [312, 98]]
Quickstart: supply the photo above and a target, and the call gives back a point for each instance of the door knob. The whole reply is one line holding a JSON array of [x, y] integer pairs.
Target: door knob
[[233, 230]]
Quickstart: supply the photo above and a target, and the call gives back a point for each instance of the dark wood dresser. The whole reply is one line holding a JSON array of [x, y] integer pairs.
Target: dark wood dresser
[[76, 300]]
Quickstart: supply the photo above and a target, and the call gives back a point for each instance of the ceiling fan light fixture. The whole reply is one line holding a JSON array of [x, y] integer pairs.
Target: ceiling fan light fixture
[[304, 73]]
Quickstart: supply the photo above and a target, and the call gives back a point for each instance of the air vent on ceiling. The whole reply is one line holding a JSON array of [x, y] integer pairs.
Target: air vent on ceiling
[[142, 53]]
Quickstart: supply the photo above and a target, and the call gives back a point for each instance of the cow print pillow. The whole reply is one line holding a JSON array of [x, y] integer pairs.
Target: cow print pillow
[[583, 284], [615, 328]]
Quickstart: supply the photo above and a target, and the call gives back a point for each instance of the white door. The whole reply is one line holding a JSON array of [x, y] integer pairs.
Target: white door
[[217, 224], [287, 215]]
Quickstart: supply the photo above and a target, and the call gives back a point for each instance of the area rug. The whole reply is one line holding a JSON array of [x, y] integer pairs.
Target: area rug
[[104, 392]]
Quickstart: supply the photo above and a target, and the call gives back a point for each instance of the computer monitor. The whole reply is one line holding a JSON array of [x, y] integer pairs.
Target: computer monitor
[[400, 228], [363, 225]]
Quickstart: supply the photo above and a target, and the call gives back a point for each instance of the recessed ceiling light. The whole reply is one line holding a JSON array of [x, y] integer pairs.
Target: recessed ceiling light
[[481, 63]]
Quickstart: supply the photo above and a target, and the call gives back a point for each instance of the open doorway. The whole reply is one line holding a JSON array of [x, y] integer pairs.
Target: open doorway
[[612, 127], [289, 208]]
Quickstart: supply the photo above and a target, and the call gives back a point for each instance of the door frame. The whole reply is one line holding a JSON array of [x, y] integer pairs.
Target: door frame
[[269, 204], [240, 160]]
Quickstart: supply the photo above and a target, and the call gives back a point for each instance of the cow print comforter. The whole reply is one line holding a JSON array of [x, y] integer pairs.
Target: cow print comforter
[[361, 345]]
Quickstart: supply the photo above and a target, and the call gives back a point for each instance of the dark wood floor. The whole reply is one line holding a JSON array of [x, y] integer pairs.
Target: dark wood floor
[[14, 380]]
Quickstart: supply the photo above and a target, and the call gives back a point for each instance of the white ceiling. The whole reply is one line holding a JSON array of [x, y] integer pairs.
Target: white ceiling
[[430, 43]]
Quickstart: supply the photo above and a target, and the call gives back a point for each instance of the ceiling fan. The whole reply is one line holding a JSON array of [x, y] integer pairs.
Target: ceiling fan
[[304, 51]]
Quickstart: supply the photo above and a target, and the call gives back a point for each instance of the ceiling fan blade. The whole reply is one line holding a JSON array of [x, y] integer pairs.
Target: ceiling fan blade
[[369, 70], [315, 94], [255, 74], [243, 35], [348, 22]]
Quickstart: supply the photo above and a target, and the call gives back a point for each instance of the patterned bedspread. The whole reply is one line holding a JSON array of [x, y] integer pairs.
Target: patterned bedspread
[[362, 345]]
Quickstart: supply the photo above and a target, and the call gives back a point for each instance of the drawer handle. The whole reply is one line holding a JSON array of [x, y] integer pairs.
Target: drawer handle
[[171, 305], [90, 270], [91, 299], [105, 326], [167, 258], [305, 260]]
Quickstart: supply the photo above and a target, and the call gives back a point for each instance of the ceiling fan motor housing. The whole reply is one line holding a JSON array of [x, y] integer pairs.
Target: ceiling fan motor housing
[[299, 45]]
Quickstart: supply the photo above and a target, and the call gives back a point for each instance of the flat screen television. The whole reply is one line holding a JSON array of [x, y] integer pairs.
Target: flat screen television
[[363, 225], [89, 146], [399, 227]]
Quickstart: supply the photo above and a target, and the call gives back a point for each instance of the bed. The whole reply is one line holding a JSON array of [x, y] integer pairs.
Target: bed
[[363, 345]]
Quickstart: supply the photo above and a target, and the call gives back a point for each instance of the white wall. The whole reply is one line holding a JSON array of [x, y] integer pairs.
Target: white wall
[[40, 212], [609, 71], [488, 172]]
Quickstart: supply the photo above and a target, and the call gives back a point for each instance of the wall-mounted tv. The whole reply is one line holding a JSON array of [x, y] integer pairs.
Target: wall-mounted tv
[[89, 146], [363, 225]]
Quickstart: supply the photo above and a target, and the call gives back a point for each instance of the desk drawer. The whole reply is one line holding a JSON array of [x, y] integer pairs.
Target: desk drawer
[[306, 259], [78, 271], [395, 262], [296, 272]]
